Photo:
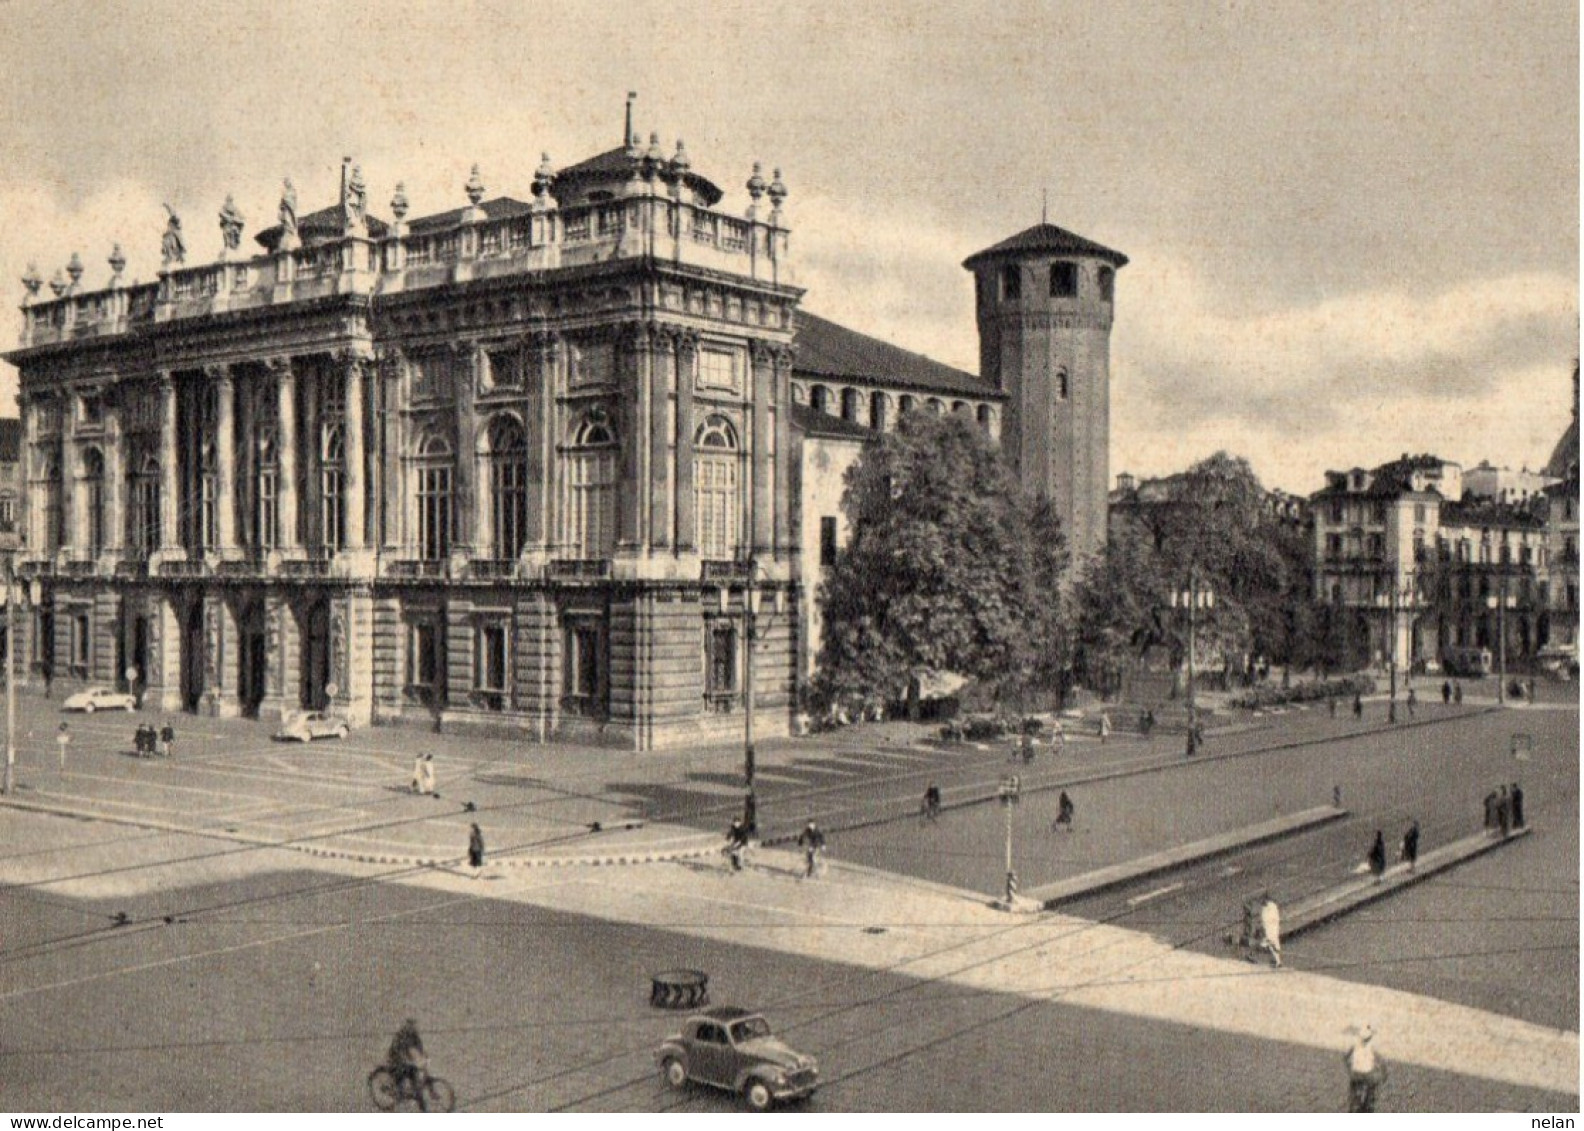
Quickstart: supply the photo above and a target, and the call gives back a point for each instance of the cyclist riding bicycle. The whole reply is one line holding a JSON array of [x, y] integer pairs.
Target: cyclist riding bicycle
[[812, 841], [406, 1058], [737, 843]]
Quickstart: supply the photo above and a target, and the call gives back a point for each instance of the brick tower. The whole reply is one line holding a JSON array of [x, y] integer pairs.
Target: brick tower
[[1044, 300]]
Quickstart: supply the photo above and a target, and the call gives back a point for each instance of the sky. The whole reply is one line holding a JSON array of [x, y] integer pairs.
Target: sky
[[1353, 227]]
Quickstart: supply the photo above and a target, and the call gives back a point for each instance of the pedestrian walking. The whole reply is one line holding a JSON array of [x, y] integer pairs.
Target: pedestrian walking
[[1413, 701], [1410, 845], [1331, 705], [1446, 692], [1457, 693], [63, 740], [139, 740], [1270, 929], [418, 773], [1517, 806], [932, 801], [812, 841], [1059, 738], [1358, 706], [1377, 857], [1105, 727], [1064, 813], [476, 847], [736, 843], [167, 738], [1490, 810], [1336, 797], [429, 776], [1366, 1072], [1147, 722], [1504, 812]]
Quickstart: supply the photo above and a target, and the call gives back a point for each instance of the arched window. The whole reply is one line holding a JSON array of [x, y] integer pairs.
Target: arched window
[[266, 504], [508, 464], [717, 488], [983, 415], [819, 398], [851, 399], [936, 406], [906, 403], [94, 499], [959, 408], [146, 507], [877, 411], [332, 532], [434, 499], [51, 508], [588, 512]]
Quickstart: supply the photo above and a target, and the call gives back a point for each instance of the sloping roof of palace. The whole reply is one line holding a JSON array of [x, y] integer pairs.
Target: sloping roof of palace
[[326, 223], [623, 163], [1046, 238], [825, 349], [1389, 480], [812, 422], [498, 209], [10, 439]]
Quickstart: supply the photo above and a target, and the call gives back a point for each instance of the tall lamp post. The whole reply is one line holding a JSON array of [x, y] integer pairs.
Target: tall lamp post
[[1394, 602], [1499, 601], [1197, 596], [10, 675], [751, 605]]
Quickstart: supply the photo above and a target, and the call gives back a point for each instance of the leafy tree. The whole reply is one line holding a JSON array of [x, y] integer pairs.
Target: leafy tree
[[1212, 523], [948, 567]]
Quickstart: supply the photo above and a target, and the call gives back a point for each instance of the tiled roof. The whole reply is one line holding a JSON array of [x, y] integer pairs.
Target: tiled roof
[[497, 209], [1389, 480], [1046, 238], [619, 162], [10, 439], [323, 224], [827, 350], [1489, 512], [812, 422]]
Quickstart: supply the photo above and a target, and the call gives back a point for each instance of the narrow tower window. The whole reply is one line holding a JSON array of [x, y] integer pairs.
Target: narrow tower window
[[1061, 384], [1064, 280], [1107, 280], [1011, 282]]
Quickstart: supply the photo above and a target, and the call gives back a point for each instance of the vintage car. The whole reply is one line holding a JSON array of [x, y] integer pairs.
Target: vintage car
[[305, 726], [100, 699], [733, 1048]]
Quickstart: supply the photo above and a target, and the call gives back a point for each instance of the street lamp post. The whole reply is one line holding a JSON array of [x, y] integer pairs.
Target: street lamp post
[[751, 605], [1499, 601], [1011, 788], [1394, 602], [1194, 598], [10, 676]]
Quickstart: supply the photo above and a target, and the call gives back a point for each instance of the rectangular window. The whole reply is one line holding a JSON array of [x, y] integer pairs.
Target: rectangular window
[[80, 645], [489, 666], [268, 505], [827, 540], [718, 369], [1064, 280], [1011, 282], [720, 665], [1419, 512], [432, 376], [1334, 545], [593, 363], [425, 662], [434, 513], [1338, 512], [91, 410], [583, 670]]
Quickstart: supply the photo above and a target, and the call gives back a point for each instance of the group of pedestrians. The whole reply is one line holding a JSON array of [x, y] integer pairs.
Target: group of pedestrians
[[148, 741], [1451, 693], [1504, 810]]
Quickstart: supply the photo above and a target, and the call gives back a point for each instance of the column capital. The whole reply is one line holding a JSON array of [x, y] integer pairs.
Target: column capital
[[784, 356], [762, 352], [219, 372], [687, 341], [279, 366]]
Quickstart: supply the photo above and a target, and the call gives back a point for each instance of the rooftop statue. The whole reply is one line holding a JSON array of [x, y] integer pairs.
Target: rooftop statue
[[173, 248], [288, 210], [231, 221]]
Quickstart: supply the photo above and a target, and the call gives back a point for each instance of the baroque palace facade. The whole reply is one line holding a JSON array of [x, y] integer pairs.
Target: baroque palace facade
[[520, 465]]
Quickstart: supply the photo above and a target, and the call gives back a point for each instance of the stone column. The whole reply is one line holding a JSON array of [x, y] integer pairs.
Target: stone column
[[540, 397], [633, 432], [762, 386], [780, 392], [390, 375], [661, 361], [686, 354], [356, 478], [286, 422], [225, 456], [170, 467], [116, 480]]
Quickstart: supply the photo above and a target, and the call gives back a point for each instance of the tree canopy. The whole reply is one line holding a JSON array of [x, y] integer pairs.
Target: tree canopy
[[948, 567]]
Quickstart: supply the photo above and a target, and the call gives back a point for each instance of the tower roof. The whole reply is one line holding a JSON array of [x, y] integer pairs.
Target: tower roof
[[1045, 238]]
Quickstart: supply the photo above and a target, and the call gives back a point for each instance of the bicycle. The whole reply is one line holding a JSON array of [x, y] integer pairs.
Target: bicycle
[[430, 1093]]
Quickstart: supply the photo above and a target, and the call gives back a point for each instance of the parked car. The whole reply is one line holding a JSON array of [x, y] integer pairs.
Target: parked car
[[305, 726], [733, 1048], [100, 699]]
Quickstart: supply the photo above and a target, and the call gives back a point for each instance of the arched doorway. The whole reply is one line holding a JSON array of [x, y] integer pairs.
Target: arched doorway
[[191, 618], [252, 659], [315, 665]]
